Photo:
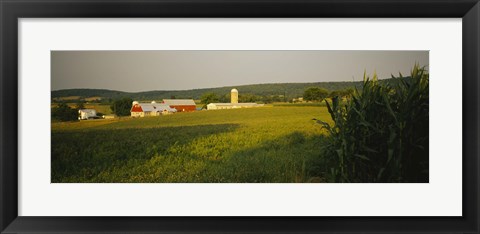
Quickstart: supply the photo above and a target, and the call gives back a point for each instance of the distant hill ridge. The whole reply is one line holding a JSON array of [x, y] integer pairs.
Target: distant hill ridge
[[291, 90]]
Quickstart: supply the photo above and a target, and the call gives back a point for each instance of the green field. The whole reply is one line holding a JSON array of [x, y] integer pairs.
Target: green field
[[270, 144]]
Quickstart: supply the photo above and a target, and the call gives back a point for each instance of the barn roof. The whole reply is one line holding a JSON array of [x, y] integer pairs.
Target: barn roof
[[148, 107], [179, 102]]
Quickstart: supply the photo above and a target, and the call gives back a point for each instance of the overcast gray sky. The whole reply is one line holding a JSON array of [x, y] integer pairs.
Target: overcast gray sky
[[135, 71]]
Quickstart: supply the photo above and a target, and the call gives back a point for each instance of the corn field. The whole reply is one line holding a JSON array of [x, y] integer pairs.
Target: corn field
[[381, 133]]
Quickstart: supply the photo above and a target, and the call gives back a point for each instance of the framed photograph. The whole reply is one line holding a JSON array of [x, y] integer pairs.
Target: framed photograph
[[254, 116]]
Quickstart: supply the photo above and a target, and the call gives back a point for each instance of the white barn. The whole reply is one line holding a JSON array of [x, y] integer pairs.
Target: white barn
[[220, 106]]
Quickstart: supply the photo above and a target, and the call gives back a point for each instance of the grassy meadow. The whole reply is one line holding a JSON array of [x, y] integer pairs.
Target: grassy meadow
[[276, 144]]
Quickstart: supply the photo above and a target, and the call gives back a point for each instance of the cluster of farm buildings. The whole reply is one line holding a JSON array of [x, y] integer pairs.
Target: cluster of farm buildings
[[170, 106]]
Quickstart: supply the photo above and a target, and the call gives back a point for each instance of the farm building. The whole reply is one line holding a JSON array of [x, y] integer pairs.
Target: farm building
[[219, 106], [234, 96], [87, 114], [181, 105], [150, 109], [233, 103]]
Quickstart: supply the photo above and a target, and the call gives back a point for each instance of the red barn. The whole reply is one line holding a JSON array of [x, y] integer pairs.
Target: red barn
[[181, 104]]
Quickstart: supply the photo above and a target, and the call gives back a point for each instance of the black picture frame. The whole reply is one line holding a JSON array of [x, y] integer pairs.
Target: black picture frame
[[11, 11]]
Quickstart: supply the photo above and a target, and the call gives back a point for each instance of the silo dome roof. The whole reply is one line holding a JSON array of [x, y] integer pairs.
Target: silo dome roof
[[234, 91]]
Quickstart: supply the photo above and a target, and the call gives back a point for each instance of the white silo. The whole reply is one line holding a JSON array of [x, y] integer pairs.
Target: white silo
[[234, 96], [153, 102]]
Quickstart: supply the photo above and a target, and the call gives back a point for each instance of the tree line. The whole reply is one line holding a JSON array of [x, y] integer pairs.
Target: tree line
[[292, 90], [63, 112], [313, 94]]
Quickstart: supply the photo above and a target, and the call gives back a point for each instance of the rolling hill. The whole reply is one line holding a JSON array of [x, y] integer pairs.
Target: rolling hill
[[290, 90]]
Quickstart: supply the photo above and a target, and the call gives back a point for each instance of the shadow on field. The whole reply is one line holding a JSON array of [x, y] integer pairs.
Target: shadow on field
[[293, 158], [80, 155]]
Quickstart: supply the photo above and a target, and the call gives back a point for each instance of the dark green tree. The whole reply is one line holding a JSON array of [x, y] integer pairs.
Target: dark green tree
[[208, 98], [315, 94], [122, 106], [224, 98], [248, 97], [80, 106], [63, 112], [267, 99], [342, 93], [335, 93]]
